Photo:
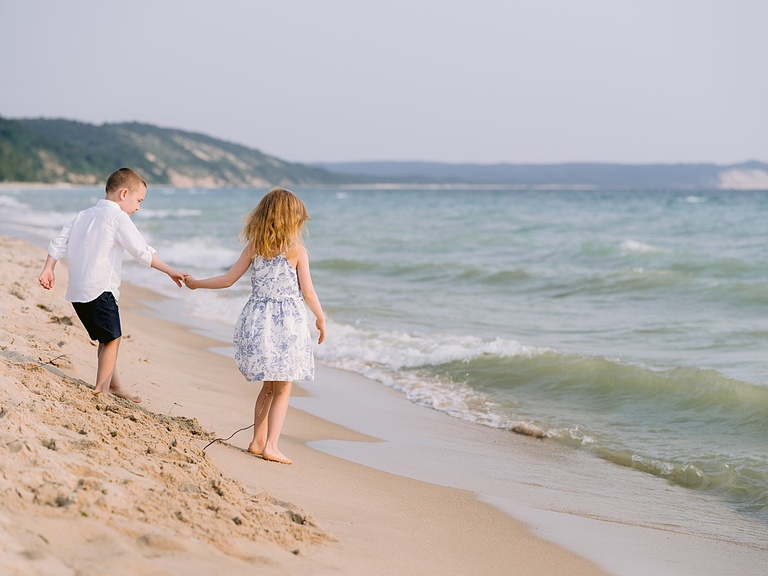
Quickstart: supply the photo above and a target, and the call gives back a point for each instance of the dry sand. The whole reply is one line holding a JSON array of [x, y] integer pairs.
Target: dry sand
[[92, 485]]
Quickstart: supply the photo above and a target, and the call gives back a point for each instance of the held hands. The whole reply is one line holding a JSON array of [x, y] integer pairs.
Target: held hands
[[190, 282], [176, 276]]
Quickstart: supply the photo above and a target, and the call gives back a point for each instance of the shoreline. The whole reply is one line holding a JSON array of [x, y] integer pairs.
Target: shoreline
[[420, 443], [353, 518]]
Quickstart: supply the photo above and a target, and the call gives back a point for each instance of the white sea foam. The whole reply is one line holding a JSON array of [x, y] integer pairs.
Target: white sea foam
[[202, 253], [42, 219], [638, 247], [216, 306], [10, 201], [397, 350], [150, 214], [456, 399], [399, 360]]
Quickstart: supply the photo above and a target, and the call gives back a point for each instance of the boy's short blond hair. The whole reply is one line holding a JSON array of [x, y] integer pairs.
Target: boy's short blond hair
[[124, 178]]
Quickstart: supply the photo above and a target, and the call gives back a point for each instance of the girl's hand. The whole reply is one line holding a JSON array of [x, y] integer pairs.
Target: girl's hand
[[190, 282], [320, 325]]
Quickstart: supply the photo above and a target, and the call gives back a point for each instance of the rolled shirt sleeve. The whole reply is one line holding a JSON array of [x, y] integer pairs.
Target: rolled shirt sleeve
[[132, 241], [57, 249]]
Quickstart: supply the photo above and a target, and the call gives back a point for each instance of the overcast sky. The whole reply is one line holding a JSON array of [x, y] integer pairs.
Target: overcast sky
[[633, 81]]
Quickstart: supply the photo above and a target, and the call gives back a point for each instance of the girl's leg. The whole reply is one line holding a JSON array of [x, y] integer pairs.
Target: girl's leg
[[260, 414], [281, 394]]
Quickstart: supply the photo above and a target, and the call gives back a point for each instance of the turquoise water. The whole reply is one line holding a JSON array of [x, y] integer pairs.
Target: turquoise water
[[630, 325]]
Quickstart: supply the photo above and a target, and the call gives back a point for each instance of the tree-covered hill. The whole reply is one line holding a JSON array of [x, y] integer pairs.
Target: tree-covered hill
[[44, 150]]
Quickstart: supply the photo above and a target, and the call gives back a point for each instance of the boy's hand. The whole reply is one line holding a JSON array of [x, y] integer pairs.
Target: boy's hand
[[47, 279], [190, 282], [176, 276]]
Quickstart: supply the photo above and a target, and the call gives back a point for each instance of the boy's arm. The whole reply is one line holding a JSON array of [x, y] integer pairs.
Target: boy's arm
[[175, 275], [56, 251], [225, 280], [129, 237], [47, 277]]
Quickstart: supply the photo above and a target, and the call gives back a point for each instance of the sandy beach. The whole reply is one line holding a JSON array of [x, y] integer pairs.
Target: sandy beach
[[92, 484]]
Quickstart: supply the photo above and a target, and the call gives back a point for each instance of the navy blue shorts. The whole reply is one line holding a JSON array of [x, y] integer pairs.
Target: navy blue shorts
[[100, 317]]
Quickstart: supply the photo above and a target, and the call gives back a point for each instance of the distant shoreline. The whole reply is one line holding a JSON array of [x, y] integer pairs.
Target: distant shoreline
[[563, 176], [5, 186]]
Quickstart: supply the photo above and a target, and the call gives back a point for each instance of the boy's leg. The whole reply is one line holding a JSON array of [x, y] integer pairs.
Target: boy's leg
[[107, 356], [116, 389], [101, 318], [107, 379], [260, 414], [281, 394]]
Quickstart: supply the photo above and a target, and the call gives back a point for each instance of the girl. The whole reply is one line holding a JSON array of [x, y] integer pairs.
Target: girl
[[271, 341]]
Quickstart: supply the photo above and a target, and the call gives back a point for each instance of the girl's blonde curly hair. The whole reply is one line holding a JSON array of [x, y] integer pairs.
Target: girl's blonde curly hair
[[276, 224]]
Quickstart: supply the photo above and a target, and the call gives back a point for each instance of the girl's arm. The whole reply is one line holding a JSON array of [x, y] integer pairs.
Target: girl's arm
[[308, 291], [225, 280]]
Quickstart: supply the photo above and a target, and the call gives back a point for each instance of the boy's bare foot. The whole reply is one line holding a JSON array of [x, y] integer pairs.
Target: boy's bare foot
[[276, 458]]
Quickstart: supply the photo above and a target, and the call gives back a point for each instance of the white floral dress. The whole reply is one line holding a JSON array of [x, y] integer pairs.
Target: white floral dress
[[271, 338]]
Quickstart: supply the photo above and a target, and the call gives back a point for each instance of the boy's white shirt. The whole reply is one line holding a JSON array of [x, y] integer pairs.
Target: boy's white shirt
[[102, 233]]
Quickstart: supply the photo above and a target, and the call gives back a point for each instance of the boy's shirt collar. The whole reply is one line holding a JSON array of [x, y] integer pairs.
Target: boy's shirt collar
[[108, 202]]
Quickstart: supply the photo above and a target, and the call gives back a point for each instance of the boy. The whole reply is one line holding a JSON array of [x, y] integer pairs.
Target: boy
[[94, 243]]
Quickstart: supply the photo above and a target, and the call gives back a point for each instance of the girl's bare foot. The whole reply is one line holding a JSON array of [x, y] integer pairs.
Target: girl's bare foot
[[276, 457], [132, 397], [120, 393], [255, 450]]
